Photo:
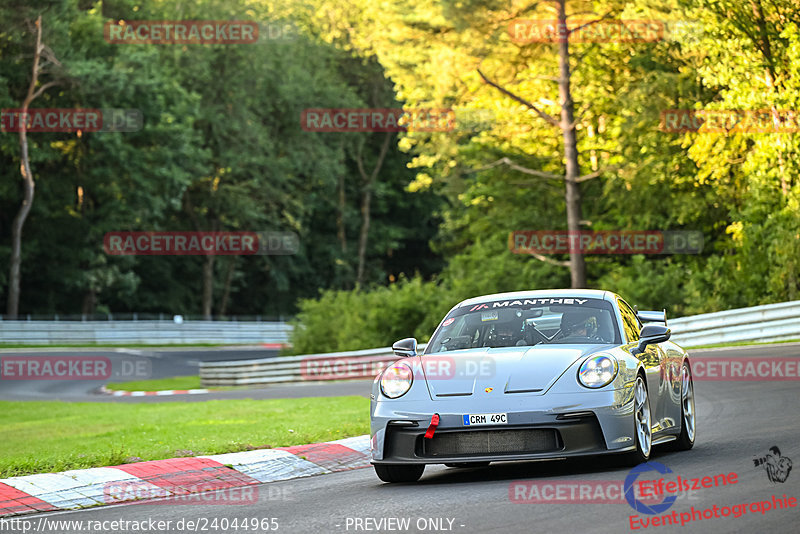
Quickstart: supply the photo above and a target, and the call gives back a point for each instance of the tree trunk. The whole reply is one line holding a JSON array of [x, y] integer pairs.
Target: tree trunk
[[366, 201], [29, 185], [12, 309], [207, 303], [208, 286], [340, 228], [226, 292], [577, 265], [89, 302]]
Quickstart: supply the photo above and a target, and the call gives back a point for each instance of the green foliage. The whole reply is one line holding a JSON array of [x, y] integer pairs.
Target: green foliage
[[348, 320], [222, 149], [741, 190]]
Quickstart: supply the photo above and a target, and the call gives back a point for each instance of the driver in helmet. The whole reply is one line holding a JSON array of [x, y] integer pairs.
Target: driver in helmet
[[578, 323]]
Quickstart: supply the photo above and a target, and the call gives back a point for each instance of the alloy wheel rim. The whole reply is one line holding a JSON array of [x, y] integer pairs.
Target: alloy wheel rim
[[687, 402], [643, 431]]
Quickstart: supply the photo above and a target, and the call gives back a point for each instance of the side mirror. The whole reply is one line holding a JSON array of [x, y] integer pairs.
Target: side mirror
[[405, 348], [651, 334]]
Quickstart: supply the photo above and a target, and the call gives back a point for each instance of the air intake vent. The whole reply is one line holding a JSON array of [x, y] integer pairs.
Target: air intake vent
[[491, 442]]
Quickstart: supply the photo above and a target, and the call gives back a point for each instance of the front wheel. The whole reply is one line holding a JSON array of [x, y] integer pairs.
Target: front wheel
[[399, 472], [643, 433]]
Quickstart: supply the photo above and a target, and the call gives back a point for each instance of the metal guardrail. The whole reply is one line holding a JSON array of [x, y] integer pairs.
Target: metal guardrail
[[144, 316], [772, 322], [142, 332], [330, 366]]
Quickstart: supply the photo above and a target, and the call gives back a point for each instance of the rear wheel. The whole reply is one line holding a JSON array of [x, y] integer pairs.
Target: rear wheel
[[685, 440], [399, 472], [643, 434]]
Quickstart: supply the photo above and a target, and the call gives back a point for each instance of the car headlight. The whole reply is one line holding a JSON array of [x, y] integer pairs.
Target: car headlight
[[598, 371], [396, 380]]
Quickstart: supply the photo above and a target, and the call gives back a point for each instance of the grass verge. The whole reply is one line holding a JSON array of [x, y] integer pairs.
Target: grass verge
[[49, 436]]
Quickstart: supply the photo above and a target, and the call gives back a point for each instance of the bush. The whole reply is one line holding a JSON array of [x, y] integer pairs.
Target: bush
[[352, 320]]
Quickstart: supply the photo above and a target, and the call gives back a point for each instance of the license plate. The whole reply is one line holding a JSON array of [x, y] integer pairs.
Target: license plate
[[478, 419]]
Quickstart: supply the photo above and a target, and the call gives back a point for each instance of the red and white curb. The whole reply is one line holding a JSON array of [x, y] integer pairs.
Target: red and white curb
[[177, 476], [165, 392]]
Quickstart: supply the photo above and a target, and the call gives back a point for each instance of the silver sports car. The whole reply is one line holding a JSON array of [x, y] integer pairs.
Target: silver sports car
[[532, 375]]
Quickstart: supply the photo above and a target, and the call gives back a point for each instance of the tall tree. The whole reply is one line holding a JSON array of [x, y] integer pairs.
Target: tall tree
[[443, 35], [368, 183], [43, 62], [568, 127]]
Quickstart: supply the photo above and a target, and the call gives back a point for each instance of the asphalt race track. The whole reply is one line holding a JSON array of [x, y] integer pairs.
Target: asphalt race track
[[126, 364], [737, 422]]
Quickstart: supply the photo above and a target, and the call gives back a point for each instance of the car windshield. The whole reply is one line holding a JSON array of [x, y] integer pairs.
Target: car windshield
[[526, 323]]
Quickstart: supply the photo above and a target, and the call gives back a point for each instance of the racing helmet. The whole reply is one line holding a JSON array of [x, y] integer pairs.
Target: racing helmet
[[574, 320]]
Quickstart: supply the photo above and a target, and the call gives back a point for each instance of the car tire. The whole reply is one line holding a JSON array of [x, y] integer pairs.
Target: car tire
[[399, 472], [642, 425], [686, 438], [465, 465]]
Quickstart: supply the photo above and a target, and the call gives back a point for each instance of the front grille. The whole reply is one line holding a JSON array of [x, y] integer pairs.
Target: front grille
[[491, 442]]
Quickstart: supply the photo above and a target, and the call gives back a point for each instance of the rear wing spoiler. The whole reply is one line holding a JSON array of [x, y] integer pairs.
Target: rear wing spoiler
[[652, 316]]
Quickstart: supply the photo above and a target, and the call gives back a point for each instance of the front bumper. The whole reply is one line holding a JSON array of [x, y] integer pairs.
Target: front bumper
[[601, 423], [560, 438]]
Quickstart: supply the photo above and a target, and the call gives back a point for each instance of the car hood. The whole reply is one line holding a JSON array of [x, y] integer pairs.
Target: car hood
[[512, 370]]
